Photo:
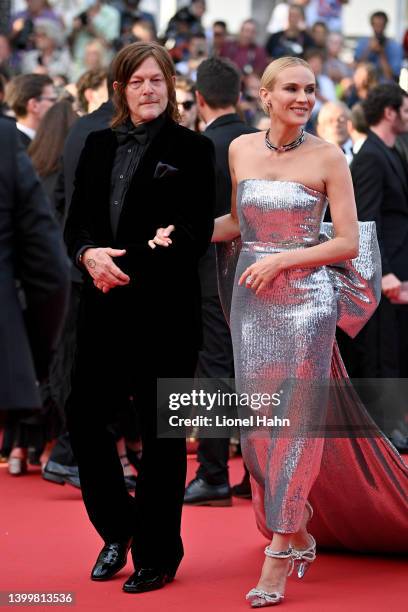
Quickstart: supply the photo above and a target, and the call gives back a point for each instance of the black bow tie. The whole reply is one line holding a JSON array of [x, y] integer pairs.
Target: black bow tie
[[127, 132]]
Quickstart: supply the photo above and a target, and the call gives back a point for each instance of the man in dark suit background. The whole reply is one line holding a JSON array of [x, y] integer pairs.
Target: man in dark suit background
[[140, 313], [381, 189], [32, 252], [218, 89], [30, 96], [62, 466]]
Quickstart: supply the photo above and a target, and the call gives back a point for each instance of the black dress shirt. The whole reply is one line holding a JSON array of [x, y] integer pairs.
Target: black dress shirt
[[133, 143]]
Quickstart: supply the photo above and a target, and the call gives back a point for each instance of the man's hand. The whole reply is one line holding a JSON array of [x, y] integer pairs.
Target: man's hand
[[390, 286], [162, 237], [106, 275], [18, 25]]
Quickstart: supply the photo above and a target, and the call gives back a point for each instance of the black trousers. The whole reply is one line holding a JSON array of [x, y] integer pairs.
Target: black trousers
[[153, 516], [215, 360]]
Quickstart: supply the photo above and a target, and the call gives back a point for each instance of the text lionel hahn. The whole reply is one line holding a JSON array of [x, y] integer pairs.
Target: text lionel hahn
[[222, 421]]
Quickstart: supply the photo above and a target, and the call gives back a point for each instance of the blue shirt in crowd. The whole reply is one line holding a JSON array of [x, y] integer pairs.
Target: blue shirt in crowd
[[393, 53]]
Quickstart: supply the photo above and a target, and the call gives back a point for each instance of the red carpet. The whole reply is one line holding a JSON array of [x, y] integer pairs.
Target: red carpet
[[47, 544]]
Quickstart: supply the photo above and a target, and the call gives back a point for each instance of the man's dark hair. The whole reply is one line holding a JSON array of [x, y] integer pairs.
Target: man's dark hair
[[380, 14], [219, 82], [314, 52], [320, 24], [358, 119], [222, 24], [387, 95], [91, 79], [23, 88]]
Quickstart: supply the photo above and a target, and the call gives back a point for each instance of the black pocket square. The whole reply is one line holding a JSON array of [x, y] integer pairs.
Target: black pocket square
[[164, 170]]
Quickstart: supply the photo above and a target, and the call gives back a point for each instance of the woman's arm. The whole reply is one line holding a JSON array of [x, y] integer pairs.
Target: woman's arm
[[227, 227]]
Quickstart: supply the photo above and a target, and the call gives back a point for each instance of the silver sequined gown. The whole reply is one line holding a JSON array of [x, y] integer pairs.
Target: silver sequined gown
[[287, 334]]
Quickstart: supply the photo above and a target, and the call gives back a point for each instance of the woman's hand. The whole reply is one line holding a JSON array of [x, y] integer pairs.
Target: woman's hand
[[162, 237], [391, 286], [261, 273]]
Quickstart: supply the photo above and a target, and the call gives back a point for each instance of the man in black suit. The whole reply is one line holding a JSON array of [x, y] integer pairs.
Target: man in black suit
[[381, 190], [218, 89], [140, 314], [30, 96], [31, 252]]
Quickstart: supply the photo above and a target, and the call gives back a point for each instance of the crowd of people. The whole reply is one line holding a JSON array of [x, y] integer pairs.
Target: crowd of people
[[65, 40], [62, 69]]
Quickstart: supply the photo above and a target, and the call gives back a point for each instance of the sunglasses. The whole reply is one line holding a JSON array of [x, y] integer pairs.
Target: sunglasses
[[187, 105]]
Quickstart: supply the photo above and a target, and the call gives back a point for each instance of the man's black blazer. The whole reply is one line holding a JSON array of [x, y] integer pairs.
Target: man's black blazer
[[173, 184], [25, 140], [74, 143], [221, 132], [32, 252], [381, 190]]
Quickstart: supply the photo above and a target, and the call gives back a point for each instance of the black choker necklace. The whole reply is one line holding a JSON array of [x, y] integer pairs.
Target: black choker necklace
[[286, 147]]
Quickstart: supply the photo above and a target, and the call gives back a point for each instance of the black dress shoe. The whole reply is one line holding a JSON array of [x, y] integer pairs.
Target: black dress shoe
[[111, 560], [147, 579], [130, 482], [200, 493], [61, 474], [243, 489]]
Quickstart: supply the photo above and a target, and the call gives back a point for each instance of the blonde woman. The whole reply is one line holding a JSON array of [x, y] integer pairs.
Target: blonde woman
[[283, 322], [281, 180]]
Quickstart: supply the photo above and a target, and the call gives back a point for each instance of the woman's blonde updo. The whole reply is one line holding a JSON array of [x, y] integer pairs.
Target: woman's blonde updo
[[274, 68]]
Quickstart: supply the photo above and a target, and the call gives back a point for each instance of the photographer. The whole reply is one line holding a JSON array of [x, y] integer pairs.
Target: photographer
[[383, 52]]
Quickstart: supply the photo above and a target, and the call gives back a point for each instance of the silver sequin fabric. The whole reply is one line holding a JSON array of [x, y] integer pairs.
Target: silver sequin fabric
[[282, 339]]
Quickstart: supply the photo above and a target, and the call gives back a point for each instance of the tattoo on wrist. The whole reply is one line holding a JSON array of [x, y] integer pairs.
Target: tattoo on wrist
[[91, 263]]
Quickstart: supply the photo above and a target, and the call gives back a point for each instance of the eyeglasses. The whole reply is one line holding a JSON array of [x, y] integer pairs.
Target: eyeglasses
[[48, 98], [187, 105]]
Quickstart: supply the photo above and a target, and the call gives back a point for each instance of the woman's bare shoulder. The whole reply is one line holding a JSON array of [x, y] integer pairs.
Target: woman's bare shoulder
[[326, 151], [322, 145], [246, 139]]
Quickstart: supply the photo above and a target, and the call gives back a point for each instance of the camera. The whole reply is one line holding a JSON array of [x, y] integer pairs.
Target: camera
[[381, 39]]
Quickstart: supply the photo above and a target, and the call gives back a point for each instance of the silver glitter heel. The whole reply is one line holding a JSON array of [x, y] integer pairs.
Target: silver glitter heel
[[304, 558], [258, 598]]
